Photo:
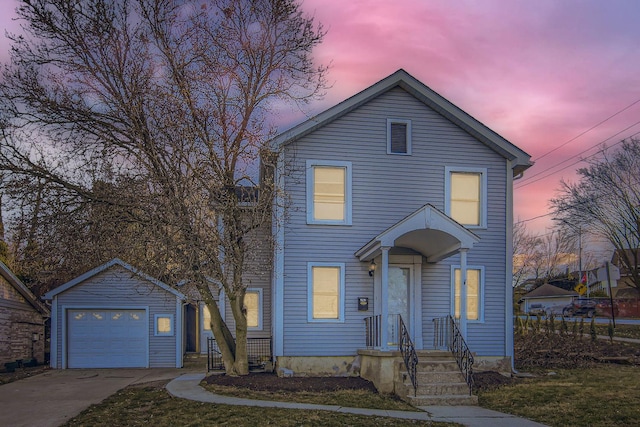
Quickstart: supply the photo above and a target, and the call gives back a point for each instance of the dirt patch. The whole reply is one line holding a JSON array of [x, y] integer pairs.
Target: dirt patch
[[490, 380], [273, 383]]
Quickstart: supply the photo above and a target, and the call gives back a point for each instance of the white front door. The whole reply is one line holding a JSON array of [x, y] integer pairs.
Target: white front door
[[399, 301]]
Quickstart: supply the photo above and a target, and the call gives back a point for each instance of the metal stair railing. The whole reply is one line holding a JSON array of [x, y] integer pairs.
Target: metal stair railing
[[447, 334]]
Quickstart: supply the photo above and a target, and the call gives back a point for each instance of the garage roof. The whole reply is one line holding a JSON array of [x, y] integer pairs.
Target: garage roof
[[116, 261]]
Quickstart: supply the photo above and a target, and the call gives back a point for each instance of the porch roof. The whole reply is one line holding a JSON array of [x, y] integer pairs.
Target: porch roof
[[427, 231]]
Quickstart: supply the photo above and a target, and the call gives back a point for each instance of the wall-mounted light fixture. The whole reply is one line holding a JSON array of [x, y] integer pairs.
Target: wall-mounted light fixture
[[372, 268]]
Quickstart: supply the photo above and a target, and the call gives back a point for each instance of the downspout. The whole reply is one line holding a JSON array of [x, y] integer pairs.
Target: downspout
[[508, 339]]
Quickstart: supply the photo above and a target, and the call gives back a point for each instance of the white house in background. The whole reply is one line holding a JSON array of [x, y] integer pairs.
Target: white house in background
[[116, 316], [400, 179], [547, 299]]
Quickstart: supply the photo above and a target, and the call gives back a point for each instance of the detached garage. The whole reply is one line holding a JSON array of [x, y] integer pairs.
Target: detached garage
[[115, 316]]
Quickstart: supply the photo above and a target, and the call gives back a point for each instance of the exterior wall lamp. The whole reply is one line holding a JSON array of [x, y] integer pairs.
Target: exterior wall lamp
[[372, 268]]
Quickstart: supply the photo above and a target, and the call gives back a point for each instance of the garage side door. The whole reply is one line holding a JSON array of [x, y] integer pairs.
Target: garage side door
[[107, 338]]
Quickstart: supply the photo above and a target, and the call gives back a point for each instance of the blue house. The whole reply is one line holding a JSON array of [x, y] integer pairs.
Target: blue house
[[396, 214]]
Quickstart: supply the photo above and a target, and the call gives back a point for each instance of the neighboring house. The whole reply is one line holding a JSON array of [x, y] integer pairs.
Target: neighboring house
[[624, 286], [116, 316], [547, 299], [22, 321], [394, 198]]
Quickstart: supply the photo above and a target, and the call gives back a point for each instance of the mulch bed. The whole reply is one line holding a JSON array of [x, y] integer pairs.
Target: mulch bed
[[271, 382]]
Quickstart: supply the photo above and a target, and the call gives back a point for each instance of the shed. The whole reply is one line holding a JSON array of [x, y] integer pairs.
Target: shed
[[22, 321], [116, 316], [547, 299]]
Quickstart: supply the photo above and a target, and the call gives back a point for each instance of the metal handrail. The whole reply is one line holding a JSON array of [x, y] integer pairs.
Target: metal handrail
[[409, 355], [447, 334], [373, 330]]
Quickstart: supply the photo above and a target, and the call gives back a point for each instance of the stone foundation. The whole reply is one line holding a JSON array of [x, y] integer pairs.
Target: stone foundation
[[318, 366]]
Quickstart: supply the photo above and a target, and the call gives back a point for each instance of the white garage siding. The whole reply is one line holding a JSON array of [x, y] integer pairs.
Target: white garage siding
[[107, 292], [98, 338]]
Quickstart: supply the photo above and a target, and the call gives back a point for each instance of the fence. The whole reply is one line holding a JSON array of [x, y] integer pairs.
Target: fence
[[259, 351]]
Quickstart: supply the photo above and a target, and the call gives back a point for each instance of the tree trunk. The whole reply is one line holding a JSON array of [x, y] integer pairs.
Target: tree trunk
[[241, 365]]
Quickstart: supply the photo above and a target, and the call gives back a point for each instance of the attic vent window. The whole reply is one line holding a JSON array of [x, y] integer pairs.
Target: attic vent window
[[398, 136]]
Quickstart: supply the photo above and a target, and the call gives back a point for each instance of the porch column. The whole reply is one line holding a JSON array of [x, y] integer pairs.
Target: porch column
[[463, 292], [384, 335]]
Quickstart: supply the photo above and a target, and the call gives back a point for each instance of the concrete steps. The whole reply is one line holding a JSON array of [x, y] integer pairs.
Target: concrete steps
[[440, 382]]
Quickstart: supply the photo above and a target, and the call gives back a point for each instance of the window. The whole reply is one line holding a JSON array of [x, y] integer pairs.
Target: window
[[206, 318], [325, 292], [398, 136], [466, 196], [163, 324], [328, 193], [253, 305], [475, 279]]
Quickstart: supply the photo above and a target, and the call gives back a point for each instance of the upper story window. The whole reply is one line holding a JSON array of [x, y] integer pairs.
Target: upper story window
[[466, 196], [328, 192], [398, 136]]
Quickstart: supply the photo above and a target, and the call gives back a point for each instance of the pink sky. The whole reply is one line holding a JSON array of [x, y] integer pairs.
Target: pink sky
[[538, 72]]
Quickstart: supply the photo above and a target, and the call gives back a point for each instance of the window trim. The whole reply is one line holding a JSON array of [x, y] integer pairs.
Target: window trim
[[260, 309], [156, 332], [311, 164], [480, 292], [341, 291], [483, 192], [408, 136]]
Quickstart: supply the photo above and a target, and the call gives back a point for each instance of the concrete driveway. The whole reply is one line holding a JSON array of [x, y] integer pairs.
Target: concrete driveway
[[55, 396]]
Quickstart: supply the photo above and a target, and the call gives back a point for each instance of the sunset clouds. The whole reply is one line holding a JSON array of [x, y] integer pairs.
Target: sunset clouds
[[537, 72]]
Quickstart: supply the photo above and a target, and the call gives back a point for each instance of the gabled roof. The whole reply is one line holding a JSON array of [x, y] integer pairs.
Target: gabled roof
[[547, 290], [520, 159], [49, 295], [22, 289], [427, 231]]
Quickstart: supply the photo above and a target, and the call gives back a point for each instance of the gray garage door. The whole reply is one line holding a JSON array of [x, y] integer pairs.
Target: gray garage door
[[107, 338]]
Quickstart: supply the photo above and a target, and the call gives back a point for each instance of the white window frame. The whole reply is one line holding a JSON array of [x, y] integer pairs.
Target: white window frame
[[311, 164], [408, 136], [156, 332], [341, 291], [448, 170], [480, 318], [260, 309]]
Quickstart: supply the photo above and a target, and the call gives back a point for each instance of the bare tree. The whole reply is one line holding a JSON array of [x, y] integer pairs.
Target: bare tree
[[606, 202], [172, 94]]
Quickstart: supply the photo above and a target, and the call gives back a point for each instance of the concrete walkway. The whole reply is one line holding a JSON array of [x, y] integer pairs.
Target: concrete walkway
[[188, 387]]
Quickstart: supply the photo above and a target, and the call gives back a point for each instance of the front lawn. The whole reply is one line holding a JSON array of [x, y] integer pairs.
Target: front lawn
[[606, 395], [151, 405]]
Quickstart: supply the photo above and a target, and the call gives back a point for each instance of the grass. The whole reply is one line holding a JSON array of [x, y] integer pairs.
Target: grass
[[603, 396], [347, 398], [622, 331], [152, 405]]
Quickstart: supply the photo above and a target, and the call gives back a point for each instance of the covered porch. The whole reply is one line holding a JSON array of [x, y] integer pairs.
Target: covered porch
[[396, 257]]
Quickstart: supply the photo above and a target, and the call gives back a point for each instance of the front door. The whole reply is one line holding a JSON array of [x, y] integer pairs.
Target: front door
[[399, 301]]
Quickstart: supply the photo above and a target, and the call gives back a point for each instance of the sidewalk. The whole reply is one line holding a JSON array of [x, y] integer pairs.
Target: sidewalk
[[188, 387]]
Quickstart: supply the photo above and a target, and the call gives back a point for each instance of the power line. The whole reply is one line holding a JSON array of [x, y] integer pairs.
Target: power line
[[589, 130], [521, 184]]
